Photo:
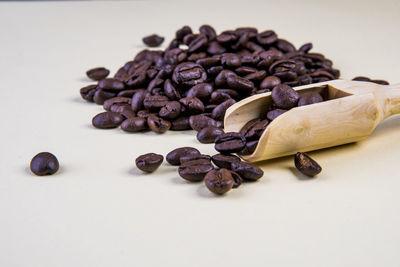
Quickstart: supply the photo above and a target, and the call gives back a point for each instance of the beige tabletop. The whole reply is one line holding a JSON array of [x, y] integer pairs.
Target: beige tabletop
[[98, 210]]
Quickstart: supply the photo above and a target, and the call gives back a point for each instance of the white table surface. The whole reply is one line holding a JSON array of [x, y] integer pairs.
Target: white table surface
[[98, 210]]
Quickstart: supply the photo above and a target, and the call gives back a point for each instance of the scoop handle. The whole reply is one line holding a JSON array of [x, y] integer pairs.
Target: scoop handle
[[392, 100]]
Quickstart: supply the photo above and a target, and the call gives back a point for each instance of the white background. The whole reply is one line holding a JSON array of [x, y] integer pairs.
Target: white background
[[98, 210]]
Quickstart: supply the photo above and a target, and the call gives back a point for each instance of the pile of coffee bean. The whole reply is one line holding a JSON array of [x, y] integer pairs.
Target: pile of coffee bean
[[191, 83]]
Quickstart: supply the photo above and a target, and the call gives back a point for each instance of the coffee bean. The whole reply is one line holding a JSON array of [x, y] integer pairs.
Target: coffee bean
[[155, 102], [171, 110], [270, 82], [98, 74], [153, 40], [309, 98], [219, 111], [219, 181], [256, 76], [240, 84], [194, 157], [305, 48], [209, 62], [181, 33], [128, 93], [381, 82], [100, 96], [198, 43], [230, 143], [284, 46], [195, 170], [237, 180], [138, 98], [122, 101], [135, 124], [267, 37], [149, 162], [224, 161], [174, 156], [192, 104], [208, 134], [284, 96], [181, 124], [273, 114], [221, 95], [198, 122], [256, 130], [88, 92], [361, 79], [214, 48], [44, 163], [111, 84], [250, 147], [189, 74], [202, 91], [157, 124], [171, 91], [247, 171], [127, 113], [208, 31], [231, 60], [221, 78], [306, 165], [107, 120]]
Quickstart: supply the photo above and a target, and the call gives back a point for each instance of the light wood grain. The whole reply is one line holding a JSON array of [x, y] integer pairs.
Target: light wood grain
[[353, 113]]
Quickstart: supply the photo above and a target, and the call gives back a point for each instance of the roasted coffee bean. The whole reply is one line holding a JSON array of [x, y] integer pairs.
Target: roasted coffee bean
[[189, 38], [273, 114], [214, 71], [198, 122], [221, 78], [208, 134], [170, 111], [247, 127], [267, 37], [88, 92], [143, 114], [192, 105], [240, 84], [170, 91], [208, 31], [198, 43], [247, 171], [44, 163], [237, 180], [209, 62], [306, 165], [250, 147], [194, 157], [195, 170], [189, 74], [128, 93], [256, 76], [284, 46], [256, 130], [174, 156], [202, 91], [138, 98], [153, 40], [135, 124], [98, 74], [244, 70], [231, 60], [309, 98], [224, 161], [156, 82], [381, 82], [219, 111], [219, 181], [111, 84], [155, 102], [284, 96], [107, 120], [230, 143], [136, 80], [157, 124], [149, 162], [127, 113], [270, 82], [305, 48], [361, 79], [181, 124], [214, 48], [100, 96], [227, 37], [196, 56], [125, 101], [180, 34]]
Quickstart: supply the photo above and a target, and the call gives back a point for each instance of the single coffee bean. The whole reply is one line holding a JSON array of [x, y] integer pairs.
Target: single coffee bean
[[107, 120], [88, 92], [100, 96], [214, 48], [209, 62], [237, 180], [138, 98], [181, 33], [143, 114], [309, 98], [247, 171], [270, 82], [306, 165], [273, 114], [250, 147], [219, 181], [171, 91], [256, 76], [361, 79], [219, 111], [202, 91], [157, 124], [170, 111], [156, 82], [240, 84], [198, 43], [189, 74], [118, 100], [128, 93], [208, 134], [381, 82], [44, 163], [256, 130], [247, 127], [284, 96], [194, 157], [153, 40], [221, 79], [284, 46], [135, 124], [192, 104], [208, 31], [149, 162], [181, 124], [195, 170], [174, 156], [111, 84], [127, 113], [305, 48], [230, 143], [231, 60], [267, 37], [198, 122], [224, 161], [98, 74], [154, 103]]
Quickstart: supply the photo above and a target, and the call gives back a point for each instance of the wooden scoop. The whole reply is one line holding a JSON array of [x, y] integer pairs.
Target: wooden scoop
[[352, 112]]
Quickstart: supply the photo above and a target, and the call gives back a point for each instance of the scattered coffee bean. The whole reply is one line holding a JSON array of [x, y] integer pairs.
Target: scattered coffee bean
[[153, 40], [195, 170], [175, 155], [306, 165], [284, 96], [219, 181], [199, 122], [44, 163], [135, 124], [247, 171], [230, 143], [107, 120], [224, 161], [149, 162], [236, 179], [98, 74], [208, 134]]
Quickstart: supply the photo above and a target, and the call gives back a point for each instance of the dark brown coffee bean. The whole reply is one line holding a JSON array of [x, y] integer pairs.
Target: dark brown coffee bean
[[100, 96], [209, 62], [149, 162], [44, 163], [237, 180], [189, 38], [181, 33], [98, 74], [224, 161], [231, 60], [270, 82], [196, 56], [195, 170], [361, 79], [155, 102], [127, 113], [122, 101], [250, 147], [170, 91], [192, 104], [107, 120], [267, 37], [111, 84], [202, 91], [309, 98], [174, 156], [198, 122], [136, 80], [240, 84], [284, 46], [135, 124], [244, 70], [230, 143], [214, 48], [170, 111], [219, 181], [198, 43], [153, 40], [208, 31], [256, 130], [208, 134], [305, 48], [256, 76], [157, 124], [226, 37], [88, 92], [181, 124], [189, 74], [194, 157], [221, 78], [247, 171], [381, 82], [128, 93], [219, 111], [241, 42], [138, 98], [156, 82], [273, 114], [284, 96], [306, 165]]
